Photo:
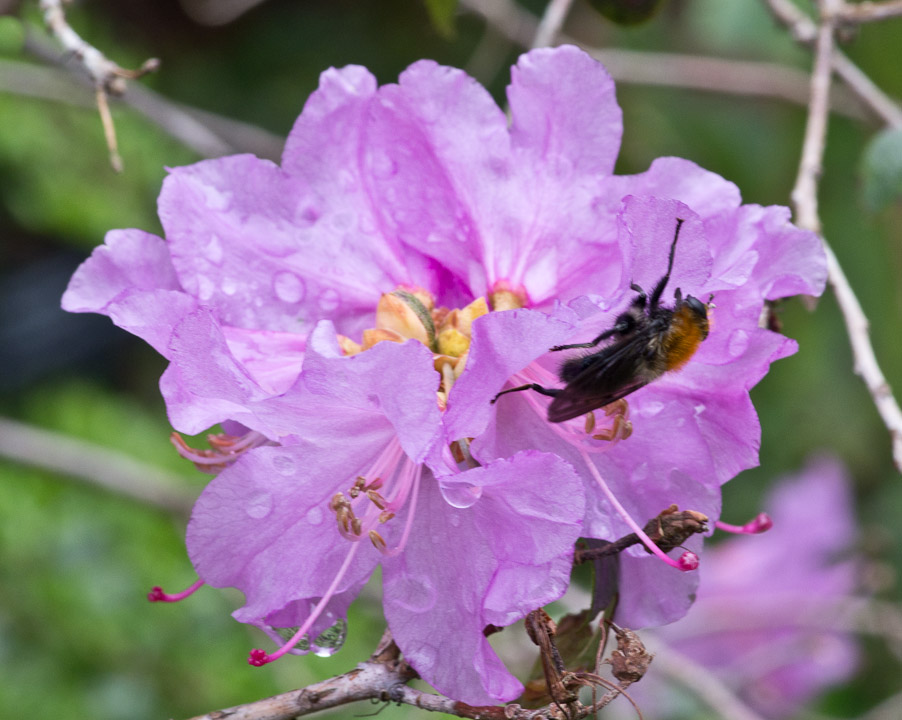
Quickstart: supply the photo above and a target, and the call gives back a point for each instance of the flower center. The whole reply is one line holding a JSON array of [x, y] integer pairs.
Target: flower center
[[408, 313]]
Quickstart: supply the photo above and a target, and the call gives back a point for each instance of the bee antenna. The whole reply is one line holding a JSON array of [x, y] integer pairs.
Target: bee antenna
[[662, 283]]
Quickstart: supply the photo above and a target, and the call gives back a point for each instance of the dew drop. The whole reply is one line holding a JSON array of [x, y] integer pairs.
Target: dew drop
[[259, 506], [229, 286], [213, 251], [330, 640], [205, 287], [329, 300], [461, 495], [424, 656], [342, 220], [283, 464], [347, 180], [288, 287], [315, 515], [738, 343], [650, 408], [383, 165], [309, 215], [416, 594]]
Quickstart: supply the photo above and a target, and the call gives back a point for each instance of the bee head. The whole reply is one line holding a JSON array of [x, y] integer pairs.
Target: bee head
[[699, 312], [697, 307]]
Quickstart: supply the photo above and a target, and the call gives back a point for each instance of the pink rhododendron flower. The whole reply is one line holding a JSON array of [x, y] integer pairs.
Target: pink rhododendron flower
[[752, 623], [486, 243]]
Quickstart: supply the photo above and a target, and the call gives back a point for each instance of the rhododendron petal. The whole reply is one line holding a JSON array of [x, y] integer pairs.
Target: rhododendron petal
[[263, 525], [471, 570], [564, 107], [131, 278], [503, 343]]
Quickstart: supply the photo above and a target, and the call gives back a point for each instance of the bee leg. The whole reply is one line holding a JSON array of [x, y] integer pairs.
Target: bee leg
[[639, 302], [550, 392], [624, 323]]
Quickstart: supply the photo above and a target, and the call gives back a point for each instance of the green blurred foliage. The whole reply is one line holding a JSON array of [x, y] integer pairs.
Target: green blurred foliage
[[881, 170], [77, 638]]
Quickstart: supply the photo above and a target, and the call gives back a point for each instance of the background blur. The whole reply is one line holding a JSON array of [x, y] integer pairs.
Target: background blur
[[77, 638]]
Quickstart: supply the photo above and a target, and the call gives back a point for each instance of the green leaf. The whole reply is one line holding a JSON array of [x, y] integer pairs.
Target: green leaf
[[442, 13], [881, 170]]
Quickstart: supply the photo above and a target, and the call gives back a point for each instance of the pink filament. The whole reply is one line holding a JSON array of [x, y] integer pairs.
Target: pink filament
[[634, 526], [259, 658], [759, 524], [156, 593]]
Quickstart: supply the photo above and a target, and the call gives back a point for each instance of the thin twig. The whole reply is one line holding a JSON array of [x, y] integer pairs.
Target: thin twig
[[804, 193], [551, 23], [804, 198], [206, 133], [375, 681], [94, 465], [868, 11], [703, 683], [804, 30], [109, 78], [707, 74]]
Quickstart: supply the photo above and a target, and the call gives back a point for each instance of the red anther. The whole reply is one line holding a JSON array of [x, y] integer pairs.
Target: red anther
[[156, 593], [688, 561], [258, 658], [762, 523], [759, 524]]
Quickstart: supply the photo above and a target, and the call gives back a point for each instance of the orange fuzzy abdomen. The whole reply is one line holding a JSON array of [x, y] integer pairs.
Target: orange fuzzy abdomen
[[686, 332]]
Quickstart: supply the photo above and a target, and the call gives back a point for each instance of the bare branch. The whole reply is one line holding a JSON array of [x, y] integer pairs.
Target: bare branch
[[804, 193], [109, 78], [868, 11], [206, 133], [94, 465], [804, 197], [708, 74], [376, 681], [805, 31], [701, 681], [551, 23]]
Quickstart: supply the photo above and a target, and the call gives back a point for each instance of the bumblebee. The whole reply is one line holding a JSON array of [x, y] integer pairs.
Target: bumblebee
[[648, 341]]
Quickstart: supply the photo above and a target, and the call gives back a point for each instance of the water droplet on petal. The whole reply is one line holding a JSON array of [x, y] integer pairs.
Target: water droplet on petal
[[229, 286], [288, 287], [650, 408], [330, 640], [259, 506], [213, 250], [205, 287], [416, 594], [738, 343], [329, 300], [283, 464], [383, 165], [460, 495], [315, 515]]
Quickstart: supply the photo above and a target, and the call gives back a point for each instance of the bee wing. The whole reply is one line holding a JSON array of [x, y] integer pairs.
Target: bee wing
[[613, 373]]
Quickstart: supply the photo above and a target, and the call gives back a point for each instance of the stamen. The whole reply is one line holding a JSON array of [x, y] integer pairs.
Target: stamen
[[258, 657], [224, 451], [590, 422], [417, 471], [759, 524], [378, 541], [633, 525], [377, 500], [156, 593]]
